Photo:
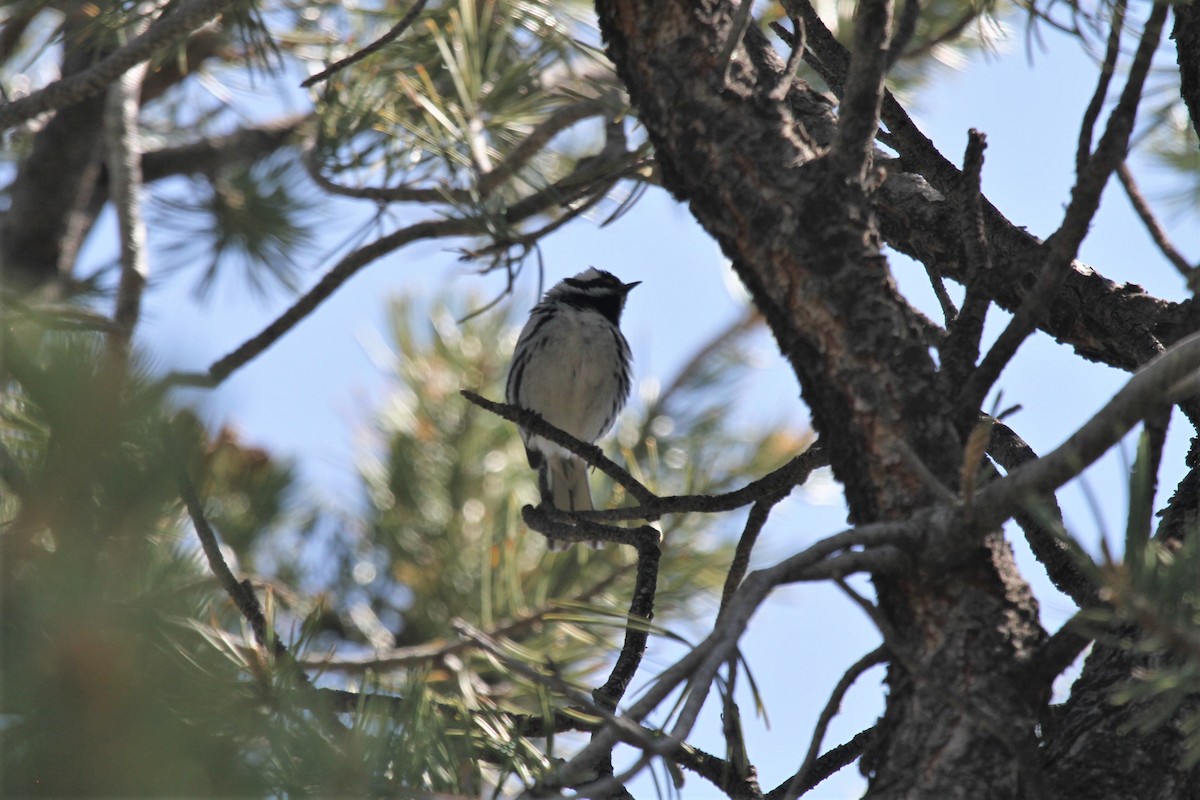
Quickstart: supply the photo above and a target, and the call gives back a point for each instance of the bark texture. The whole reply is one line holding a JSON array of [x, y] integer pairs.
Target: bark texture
[[769, 180]]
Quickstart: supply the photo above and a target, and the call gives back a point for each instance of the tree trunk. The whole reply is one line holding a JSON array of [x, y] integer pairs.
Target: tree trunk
[[767, 171]]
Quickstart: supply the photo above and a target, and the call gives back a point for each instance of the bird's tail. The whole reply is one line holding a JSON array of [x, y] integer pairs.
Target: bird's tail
[[567, 479]]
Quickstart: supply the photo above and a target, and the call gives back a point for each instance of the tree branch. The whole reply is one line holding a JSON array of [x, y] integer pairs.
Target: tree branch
[[741, 556], [698, 668], [1156, 231], [829, 763], [393, 33], [1083, 151], [593, 455], [1039, 520], [1145, 392], [561, 192], [858, 115], [1061, 248], [242, 594], [1094, 314], [184, 18], [803, 777], [961, 348], [124, 159], [641, 613]]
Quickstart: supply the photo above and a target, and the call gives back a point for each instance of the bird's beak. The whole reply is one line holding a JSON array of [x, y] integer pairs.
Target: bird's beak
[[629, 286]]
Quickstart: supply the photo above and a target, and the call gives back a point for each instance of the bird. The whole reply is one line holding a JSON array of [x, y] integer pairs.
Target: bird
[[571, 365]]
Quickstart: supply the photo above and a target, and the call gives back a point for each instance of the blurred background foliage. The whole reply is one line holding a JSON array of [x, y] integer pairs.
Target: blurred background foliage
[[121, 657], [124, 647]]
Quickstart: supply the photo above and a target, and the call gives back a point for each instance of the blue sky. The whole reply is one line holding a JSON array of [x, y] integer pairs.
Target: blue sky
[[311, 397]]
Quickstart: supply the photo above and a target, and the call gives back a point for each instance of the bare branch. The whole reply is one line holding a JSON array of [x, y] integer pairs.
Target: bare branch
[[1060, 249], [1083, 151], [803, 776], [906, 27], [539, 202], [741, 21], [1156, 231], [329, 283], [1041, 520], [858, 115], [741, 556], [828, 764], [795, 57], [393, 33], [961, 349], [242, 593], [790, 475], [184, 18], [641, 612], [699, 667], [1145, 392], [124, 158]]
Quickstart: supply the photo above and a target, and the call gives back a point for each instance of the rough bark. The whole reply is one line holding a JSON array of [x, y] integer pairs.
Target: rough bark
[[800, 229], [1186, 34], [1094, 748]]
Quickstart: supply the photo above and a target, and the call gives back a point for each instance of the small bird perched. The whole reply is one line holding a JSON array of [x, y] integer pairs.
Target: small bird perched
[[571, 365]]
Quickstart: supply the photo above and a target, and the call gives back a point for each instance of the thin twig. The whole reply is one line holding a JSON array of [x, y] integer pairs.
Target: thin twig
[[790, 475], [698, 668], [246, 352], [829, 763], [184, 18], [519, 211], [641, 613], [242, 593], [951, 33], [393, 33], [949, 312], [1146, 391], [1156, 231], [802, 777], [741, 556], [1083, 150], [1062, 246]]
